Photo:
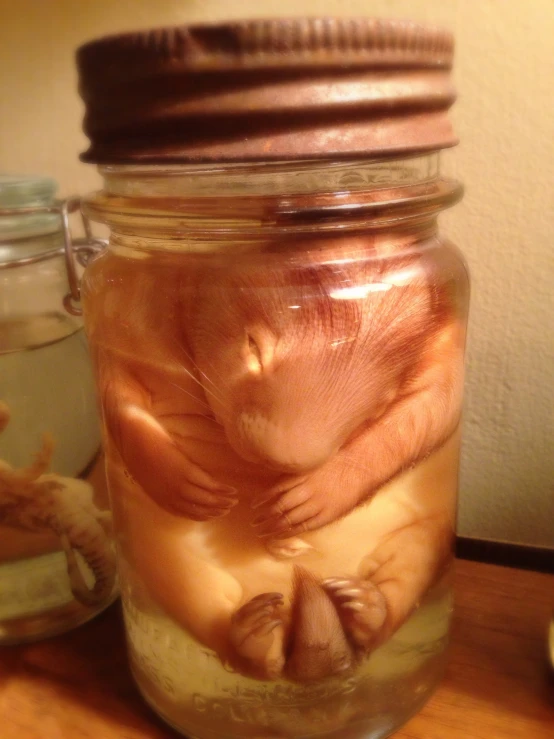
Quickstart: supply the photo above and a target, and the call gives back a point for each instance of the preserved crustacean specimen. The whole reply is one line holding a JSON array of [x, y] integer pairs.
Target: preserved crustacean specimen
[[267, 410], [34, 500]]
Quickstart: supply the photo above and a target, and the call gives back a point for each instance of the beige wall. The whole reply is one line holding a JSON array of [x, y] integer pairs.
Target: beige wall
[[505, 119]]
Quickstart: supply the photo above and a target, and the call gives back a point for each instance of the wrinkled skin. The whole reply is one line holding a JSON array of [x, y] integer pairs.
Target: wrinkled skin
[[246, 410], [313, 381]]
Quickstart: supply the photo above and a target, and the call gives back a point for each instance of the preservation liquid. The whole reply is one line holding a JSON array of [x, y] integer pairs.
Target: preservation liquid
[[46, 392]]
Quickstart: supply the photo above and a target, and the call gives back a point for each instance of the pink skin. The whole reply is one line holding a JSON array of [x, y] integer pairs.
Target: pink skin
[[158, 460], [417, 423], [301, 413], [319, 400]]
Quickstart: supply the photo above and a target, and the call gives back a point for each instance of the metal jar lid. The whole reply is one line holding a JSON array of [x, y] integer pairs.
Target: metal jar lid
[[267, 90]]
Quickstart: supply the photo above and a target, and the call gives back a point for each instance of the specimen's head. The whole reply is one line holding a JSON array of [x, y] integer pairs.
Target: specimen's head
[[295, 359]]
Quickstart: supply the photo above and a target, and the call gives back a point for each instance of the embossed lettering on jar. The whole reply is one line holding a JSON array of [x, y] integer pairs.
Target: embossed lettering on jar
[[278, 333]]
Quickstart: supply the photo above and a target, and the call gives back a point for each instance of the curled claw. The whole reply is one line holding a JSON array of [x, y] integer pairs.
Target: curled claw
[[159, 464], [201, 505], [295, 506], [333, 582], [305, 517], [198, 496], [257, 635], [347, 593], [286, 485], [362, 607], [195, 475], [260, 602], [288, 511]]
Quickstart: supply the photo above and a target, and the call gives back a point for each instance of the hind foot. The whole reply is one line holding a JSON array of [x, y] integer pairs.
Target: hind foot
[[362, 608], [257, 636]]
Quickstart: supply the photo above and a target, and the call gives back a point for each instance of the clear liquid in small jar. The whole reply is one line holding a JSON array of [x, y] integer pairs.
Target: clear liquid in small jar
[[52, 482]]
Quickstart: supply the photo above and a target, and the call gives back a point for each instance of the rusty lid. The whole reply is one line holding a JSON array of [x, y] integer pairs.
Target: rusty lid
[[267, 90]]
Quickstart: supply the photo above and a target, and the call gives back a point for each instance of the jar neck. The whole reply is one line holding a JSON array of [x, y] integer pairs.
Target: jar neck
[[253, 201], [258, 179]]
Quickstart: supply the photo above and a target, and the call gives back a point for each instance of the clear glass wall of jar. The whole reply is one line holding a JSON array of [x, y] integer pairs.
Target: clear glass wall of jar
[[56, 558], [279, 355]]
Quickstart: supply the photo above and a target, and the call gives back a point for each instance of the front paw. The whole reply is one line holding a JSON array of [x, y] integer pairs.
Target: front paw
[[362, 609], [196, 495], [291, 508], [257, 635]]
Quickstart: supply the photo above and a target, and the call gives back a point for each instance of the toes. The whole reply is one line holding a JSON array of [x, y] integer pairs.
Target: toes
[[284, 489], [365, 605], [253, 618], [199, 477], [266, 597], [198, 503], [348, 586], [331, 583], [257, 636], [200, 496], [265, 600], [348, 593], [260, 620], [284, 502], [266, 628], [353, 606], [252, 635], [292, 522], [276, 526], [196, 511]]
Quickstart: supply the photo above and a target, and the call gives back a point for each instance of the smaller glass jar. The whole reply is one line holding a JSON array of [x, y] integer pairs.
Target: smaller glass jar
[[56, 556]]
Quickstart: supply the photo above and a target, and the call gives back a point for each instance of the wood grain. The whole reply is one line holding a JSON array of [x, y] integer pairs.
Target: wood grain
[[498, 684]]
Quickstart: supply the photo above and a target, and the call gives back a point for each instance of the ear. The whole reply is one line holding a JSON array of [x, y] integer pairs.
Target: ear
[[259, 349]]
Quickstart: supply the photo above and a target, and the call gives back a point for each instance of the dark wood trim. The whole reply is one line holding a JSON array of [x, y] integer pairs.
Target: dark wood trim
[[539, 559]]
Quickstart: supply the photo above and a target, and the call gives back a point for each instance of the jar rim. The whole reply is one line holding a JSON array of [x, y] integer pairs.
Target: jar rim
[[25, 212], [230, 202], [25, 191], [269, 178]]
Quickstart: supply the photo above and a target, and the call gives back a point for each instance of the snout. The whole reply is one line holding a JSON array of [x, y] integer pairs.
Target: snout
[[284, 447]]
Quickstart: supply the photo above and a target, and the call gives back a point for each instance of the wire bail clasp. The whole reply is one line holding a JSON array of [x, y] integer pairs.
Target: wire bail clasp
[[80, 251], [75, 251]]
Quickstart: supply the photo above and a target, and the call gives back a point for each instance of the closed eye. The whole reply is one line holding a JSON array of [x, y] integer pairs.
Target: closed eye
[[255, 363]]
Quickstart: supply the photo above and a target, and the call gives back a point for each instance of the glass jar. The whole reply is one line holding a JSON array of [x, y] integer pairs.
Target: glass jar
[[278, 345], [56, 561]]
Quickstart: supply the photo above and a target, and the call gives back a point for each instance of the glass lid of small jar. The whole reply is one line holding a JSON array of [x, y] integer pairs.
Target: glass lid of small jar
[[29, 223]]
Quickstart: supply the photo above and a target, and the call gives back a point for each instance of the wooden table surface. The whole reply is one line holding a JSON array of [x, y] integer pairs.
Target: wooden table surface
[[498, 684]]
